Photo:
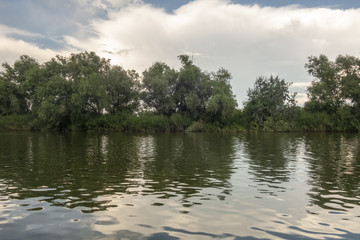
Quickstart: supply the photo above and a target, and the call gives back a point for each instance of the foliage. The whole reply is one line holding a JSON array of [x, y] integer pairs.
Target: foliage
[[18, 85], [201, 126], [121, 90], [180, 122], [221, 105], [335, 91], [270, 125], [189, 92], [84, 91], [192, 90], [270, 97], [54, 107], [158, 85], [325, 90], [67, 91], [15, 123], [336, 83]]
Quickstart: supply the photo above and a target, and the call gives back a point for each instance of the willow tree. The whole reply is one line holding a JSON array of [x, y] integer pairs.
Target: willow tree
[[158, 84], [222, 103], [192, 90]]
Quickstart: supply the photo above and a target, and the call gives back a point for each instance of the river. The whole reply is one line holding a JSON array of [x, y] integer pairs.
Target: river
[[81, 185]]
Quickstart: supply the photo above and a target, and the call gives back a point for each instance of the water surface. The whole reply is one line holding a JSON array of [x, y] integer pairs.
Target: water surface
[[179, 186]]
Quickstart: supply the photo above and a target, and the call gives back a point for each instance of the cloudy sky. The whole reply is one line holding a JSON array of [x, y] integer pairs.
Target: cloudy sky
[[249, 38]]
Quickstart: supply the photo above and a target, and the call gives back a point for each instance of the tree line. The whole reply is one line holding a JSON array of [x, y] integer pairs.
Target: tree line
[[333, 99], [84, 91]]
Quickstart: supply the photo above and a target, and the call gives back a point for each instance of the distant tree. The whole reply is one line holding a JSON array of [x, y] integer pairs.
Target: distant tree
[[9, 102], [336, 83], [270, 97], [335, 90], [159, 83], [348, 70], [189, 92], [325, 92], [20, 81], [87, 71], [192, 90], [121, 90], [222, 103], [54, 95]]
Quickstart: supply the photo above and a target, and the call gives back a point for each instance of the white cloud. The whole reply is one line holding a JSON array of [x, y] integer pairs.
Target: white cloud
[[249, 41], [301, 98], [301, 84], [11, 49], [5, 30]]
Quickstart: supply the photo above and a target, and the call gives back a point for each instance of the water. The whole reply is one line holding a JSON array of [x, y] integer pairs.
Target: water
[[179, 186]]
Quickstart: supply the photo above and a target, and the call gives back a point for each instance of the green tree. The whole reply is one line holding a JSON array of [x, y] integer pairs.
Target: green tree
[[325, 91], [158, 84], [20, 81], [349, 73], [270, 97], [222, 103], [121, 88], [54, 95], [87, 71], [9, 102], [335, 90], [193, 89]]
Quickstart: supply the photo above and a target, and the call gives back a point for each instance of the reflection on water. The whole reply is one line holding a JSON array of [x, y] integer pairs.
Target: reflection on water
[[271, 160], [179, 186], [334, 175]]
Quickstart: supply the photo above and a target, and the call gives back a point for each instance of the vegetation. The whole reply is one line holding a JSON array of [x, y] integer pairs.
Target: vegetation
[[85, 92], [334, 95], [270, 103]]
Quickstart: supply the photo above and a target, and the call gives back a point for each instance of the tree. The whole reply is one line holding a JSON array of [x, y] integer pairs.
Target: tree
[[159, 83], [192, 90], [87, 71], [9, 103], [54, 110], [348, 68], [325, 91], [270, 97], [222, 103], [336, 82], [335, 90], [121, 89], [20, 81]]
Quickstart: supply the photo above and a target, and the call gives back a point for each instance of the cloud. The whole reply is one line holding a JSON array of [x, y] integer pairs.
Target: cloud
[[300, 84], [12, 48], [249, 41], [301, 98]]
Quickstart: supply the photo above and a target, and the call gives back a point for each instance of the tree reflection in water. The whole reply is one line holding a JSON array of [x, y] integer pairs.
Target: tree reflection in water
[[176, 186], [271, 157], [73, 169], [334, 170]]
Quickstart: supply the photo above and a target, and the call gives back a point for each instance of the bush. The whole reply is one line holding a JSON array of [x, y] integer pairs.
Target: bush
[[270, 125], [317, 121], [15, 123], [179, 122], [201, 126], [147, 122]]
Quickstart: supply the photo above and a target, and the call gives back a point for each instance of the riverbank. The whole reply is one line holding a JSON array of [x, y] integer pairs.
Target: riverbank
[[133, 123], [149, 122]]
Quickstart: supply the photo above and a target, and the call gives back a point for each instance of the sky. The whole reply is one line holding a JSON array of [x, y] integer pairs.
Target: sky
[[247, 37]]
